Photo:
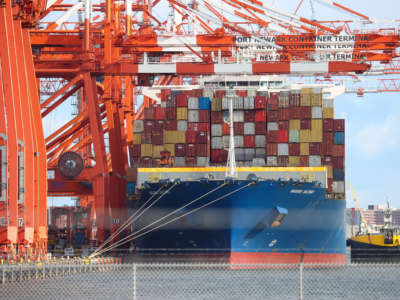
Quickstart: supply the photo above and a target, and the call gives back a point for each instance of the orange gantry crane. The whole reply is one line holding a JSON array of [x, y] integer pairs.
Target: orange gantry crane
[[101, 53]]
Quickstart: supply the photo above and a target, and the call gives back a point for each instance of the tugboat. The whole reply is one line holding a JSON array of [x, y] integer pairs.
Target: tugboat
[[380, 247]]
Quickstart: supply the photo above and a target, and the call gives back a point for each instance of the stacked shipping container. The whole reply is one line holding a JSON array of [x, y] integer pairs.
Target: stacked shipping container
[[289, 128]]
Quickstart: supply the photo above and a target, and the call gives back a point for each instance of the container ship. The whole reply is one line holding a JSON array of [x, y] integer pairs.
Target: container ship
[[267, 187]]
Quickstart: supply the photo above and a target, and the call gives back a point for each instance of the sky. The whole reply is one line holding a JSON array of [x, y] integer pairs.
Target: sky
[[372, 122]]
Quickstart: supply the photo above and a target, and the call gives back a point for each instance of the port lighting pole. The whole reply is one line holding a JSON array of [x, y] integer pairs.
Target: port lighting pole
[[231, 163]]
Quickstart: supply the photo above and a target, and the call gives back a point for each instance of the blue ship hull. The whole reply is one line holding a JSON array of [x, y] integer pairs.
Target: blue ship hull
[[251, 222]]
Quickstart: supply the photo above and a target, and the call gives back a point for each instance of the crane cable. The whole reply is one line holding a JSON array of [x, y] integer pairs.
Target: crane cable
[[175, 211], [130, 220], [132, 236]]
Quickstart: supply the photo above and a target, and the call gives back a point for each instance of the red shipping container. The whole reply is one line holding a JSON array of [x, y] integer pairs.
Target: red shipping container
[[260, 115], [249, 141], [315, 149], [260, 102], [171, 125], [260, 128], [149, 113], [328, 124], [305, 124], [219, 155], [283, 136], [137, 150], [238, 128], [204, 126], [283, 125], [160, 113], [181, 100], [305, 112], [249, 116], [191, 161], [190, 150], [338, 162], [283, 161], [328, 137], [294, 149], [202, 138], [180, 150], [216, 117], [242, 93], [338, 150], [295, 112], [164, 94], [220, 94], [272, 136], [197, 93], [225, 129], [272, 106], [272, 149], [202, 149], [204, 116], [148, 125], [193, 126], [338, 125], [294, 100], [326, 148], [171, 113], [159, 125], [157, 137], [273, 97], [304, 161], [330, 184], [272, 116], [191, 136], [284, 114], [146, 137], [326, 160]]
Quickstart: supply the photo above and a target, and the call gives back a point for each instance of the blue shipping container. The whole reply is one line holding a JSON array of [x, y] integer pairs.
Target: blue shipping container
[[204, 103], [130, 188], [339, 138], [338, 175], [176, 92], [79, 238]]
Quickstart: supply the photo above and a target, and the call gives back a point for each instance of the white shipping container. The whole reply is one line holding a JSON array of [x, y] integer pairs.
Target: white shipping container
[[260, 152], [202, 161], [327, 103], [182, 125], [216, 129], [239, 154], [249, 128], [338, 187], [283, 149], [193, 116], [238, 141], [216, 142], [272, 161], [251, 93], [208, 93], [238, 103], [193, 103], [231, 92], [138, 126], [179, 161], [258, 162], [249, 154], [260, 141], [316, 112], [163, 104], [272, 126], [314, 160], [225, 141], [225, 103], [248, 103], [238, 116]]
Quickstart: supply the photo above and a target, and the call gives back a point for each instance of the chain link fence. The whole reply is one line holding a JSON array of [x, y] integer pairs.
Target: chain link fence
[[200, 281]]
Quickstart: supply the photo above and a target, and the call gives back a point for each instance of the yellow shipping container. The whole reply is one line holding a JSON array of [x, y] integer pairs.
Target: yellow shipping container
[[181, 113], [316, 136], [305, 91], [304, 149], [157, 150], [180, 137], [316, 100], [294, 161], [330, 171], [169, 136], [305, 136], [147, 150], [305, 99], [327, 113], [294, 124], [170, 148], [316, 124], [216, 104], [137, 138]]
